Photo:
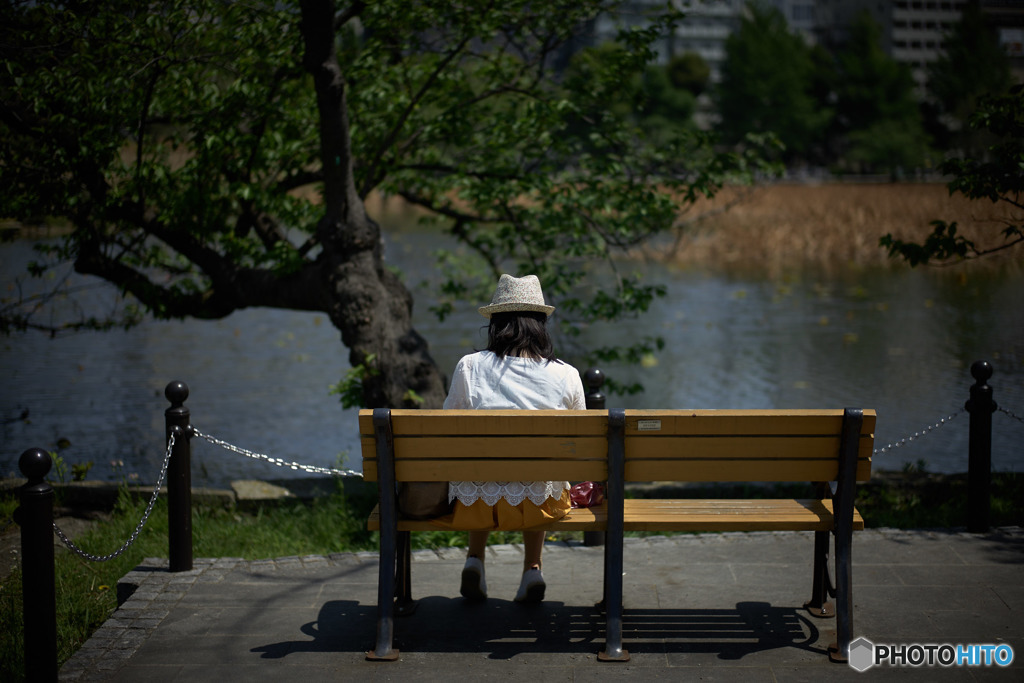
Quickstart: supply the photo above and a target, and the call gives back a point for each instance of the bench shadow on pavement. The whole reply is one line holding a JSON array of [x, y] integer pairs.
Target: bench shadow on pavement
[[502, 629]]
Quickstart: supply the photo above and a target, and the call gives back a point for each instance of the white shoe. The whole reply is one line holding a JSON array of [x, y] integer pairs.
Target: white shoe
[[474, 586], [531, 588]]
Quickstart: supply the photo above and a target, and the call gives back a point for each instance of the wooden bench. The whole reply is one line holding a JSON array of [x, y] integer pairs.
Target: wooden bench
[[619, 446]]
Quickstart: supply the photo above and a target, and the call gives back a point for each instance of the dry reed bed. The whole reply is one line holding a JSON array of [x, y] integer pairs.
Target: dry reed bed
[[777, 228]]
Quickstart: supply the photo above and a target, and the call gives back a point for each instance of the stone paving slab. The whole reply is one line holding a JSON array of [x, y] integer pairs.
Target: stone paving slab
[[722, 607]]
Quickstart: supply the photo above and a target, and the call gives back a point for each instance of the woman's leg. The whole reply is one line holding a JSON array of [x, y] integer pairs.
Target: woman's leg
[[474, 585], [533, 542], [532, 586], [477, 544]]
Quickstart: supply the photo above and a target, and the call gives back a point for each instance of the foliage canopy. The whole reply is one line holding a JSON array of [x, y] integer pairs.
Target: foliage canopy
[[876, 107], [766, 83], [213, 156], [972, 64], [998, 178]]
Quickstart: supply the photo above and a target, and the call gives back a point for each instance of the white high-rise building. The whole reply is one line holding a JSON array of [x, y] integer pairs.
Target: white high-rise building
[[704, 30], [913, 31]]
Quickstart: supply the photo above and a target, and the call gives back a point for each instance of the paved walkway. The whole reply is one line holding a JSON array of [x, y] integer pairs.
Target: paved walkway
[[723, 607]]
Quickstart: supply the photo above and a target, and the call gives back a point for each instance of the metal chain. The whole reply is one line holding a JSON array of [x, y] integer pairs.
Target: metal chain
[[1015, 417], [138, 528], [348, 473], [313, 469], [941, 423]]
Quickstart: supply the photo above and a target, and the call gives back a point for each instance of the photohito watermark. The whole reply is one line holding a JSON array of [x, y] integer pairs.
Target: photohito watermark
[[864, 654]]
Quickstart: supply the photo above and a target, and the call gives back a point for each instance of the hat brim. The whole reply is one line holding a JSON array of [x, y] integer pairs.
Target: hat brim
[[488, 311]]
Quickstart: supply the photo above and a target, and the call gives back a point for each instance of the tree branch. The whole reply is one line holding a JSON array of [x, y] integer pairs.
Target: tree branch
[[458, 229], [985, 252], [296, 180], [230, 289], [267, 228], [373, 172], [348, 14], [163, 301], [445, 209], [445, 168], [342, 204]]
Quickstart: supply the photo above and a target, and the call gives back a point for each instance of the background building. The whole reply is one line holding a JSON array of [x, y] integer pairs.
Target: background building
[[1008, 17], [704, 30], [913, 31]]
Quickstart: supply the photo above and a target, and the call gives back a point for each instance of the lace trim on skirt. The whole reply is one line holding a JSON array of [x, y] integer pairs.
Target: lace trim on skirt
[[515, 492]]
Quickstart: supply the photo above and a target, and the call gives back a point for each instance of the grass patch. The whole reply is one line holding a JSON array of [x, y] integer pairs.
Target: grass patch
[[87, 591], [917, 500]]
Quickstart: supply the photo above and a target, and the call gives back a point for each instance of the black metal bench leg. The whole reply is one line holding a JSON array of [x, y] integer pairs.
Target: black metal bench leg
[[613, 551], [384, 650], [604, 580], [844, 596], [404, 604], [819, 606], [613, 651], [843, 505]]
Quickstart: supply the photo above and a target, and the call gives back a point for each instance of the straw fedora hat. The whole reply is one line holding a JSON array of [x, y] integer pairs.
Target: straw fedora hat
[[517, 294]]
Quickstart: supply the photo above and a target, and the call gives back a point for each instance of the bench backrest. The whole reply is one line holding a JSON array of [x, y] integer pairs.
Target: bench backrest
[[491, 445], [741, 445], [659, 445]]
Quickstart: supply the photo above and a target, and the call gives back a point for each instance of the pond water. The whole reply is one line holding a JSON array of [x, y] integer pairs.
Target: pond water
[[901, 342]]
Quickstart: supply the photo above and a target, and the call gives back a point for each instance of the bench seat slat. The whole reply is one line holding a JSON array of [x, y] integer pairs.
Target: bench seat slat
[[731, 515], [683, 515], [578, 519]]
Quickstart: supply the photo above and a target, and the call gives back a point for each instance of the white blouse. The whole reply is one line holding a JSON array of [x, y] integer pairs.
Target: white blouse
[[484, 381]]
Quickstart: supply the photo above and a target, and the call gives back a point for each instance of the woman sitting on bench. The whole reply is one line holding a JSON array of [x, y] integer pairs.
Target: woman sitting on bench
[[517, 370]]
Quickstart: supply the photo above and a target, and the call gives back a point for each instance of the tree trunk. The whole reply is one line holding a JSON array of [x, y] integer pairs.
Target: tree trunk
[[368, 304]]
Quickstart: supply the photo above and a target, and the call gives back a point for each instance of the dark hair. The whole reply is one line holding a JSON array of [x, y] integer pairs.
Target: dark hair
[[520, 333]]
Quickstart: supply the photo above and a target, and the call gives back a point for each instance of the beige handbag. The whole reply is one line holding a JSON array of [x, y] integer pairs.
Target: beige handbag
[[423, 499]]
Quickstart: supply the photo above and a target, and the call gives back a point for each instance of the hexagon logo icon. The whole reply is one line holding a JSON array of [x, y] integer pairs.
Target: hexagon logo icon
[[862, 654]]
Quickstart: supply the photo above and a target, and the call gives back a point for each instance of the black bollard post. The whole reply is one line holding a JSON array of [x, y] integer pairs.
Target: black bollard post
[[179, 479], [594, 380], [979, 466], [39, 608]]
